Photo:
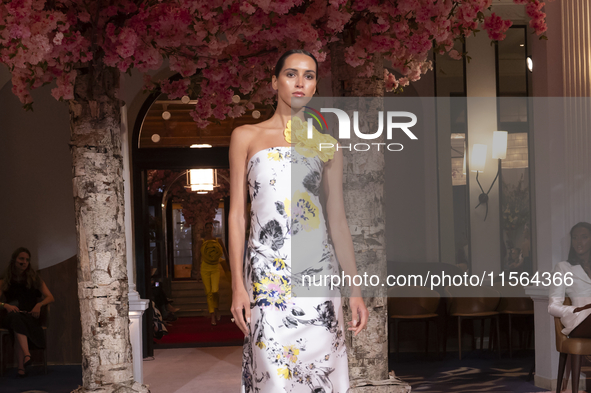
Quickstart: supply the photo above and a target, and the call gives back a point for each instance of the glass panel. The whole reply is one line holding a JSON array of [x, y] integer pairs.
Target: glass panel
[[154, 234], [181, 237], [451, 130], [511, 63], [458, 159], [515, 196]]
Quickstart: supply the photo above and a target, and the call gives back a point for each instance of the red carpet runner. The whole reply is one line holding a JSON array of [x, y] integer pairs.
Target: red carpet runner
[[199, 330]]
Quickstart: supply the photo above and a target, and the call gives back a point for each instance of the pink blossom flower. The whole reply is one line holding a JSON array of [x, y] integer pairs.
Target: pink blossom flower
[[247, 8], [454, 54], [496, 27], [42, 44], [175, 89], [57, 40]]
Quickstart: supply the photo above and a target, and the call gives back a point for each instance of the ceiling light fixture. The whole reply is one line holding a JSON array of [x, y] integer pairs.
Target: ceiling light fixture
[[165, 114]]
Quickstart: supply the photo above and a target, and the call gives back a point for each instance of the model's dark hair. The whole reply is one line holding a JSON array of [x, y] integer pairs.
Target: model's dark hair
[[31, 277], [572, 255], [281, 61]]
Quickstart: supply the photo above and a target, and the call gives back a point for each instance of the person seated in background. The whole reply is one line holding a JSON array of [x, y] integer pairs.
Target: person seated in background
[[21, 286], [161, 301], [575, 318]]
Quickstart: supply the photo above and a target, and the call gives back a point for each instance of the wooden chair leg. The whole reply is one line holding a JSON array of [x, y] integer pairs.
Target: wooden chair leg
[[460, 337], [426, 338], [575, 361], [436, 336], [561, 365], [482, 333], [510, 338], [491, 337], [498, 334], [444, 337], [473, 324], [567, 373]]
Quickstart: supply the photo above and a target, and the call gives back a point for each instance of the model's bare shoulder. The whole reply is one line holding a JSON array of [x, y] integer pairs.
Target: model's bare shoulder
[[244, 138], [240, 140]]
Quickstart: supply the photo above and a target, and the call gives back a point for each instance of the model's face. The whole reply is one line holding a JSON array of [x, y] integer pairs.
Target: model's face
[[297, 80], [22, 262], [208, 229], [581, 241]]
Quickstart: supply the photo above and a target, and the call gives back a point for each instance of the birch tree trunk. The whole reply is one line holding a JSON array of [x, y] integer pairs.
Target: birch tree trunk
[[102, 269], [363, 188]]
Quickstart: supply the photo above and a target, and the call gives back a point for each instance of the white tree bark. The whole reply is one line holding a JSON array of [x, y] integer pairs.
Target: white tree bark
[[363, 188], [102, 269]]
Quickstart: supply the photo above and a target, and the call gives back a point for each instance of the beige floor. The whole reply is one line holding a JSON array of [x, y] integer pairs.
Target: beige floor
[[191, 370]]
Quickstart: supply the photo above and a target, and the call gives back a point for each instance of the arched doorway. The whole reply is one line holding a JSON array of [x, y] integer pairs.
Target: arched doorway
[[163, 136]]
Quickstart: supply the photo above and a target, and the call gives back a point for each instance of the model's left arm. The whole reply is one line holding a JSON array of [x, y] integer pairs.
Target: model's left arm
[[341, 236], [47, 299]]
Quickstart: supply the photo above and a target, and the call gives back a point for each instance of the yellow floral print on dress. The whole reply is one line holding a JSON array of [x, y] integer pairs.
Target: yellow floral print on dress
[[275, 155], [284, 372], [272, 290], [309, 147], [290, 352]]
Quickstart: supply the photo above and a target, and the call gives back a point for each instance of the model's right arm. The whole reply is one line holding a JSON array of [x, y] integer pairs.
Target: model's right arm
[[239, 143]]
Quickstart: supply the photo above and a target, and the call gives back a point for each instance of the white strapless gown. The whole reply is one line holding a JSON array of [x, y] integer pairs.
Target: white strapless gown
[[296, 343]]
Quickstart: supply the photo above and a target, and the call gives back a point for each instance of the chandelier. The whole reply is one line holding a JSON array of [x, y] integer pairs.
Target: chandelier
[[202, 180]]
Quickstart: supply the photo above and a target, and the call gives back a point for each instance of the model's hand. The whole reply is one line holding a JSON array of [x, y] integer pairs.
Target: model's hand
[[360, 315], [579, 309], [36, 311], [241, 309], [11, 308]]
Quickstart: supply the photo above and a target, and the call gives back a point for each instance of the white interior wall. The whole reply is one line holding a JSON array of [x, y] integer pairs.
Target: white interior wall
[[36, 203]]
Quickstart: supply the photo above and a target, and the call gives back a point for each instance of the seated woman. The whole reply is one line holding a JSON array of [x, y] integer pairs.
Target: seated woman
[[575, 318], [22, 287]]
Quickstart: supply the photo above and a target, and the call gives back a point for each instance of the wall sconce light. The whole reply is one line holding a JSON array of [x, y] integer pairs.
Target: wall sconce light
[[202, 180], [478, 161], [530, 64]]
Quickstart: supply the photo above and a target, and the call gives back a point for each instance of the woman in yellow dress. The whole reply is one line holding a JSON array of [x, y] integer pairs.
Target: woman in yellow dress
[[209, 252]]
